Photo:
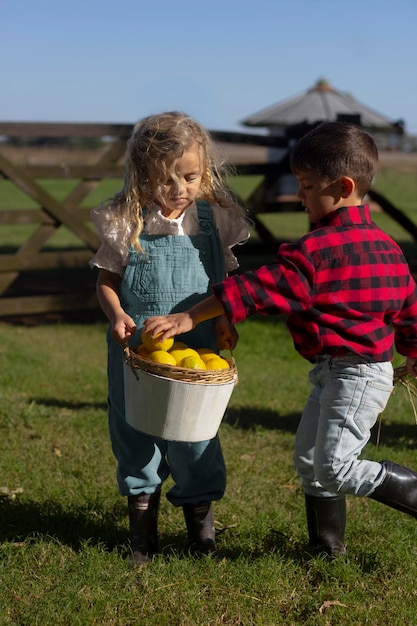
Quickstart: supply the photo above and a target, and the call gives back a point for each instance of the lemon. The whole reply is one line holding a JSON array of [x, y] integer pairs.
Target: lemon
[[162, 356], [205, 351], [179, 345], [218, 363], [207, 355], [181, 353], [153, 343], [142, 351], [193, 362]]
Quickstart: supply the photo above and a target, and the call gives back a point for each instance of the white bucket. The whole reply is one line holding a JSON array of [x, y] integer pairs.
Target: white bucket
[[172, 409]]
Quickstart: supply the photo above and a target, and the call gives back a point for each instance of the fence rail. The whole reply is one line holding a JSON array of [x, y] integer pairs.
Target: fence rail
[[36, 279]]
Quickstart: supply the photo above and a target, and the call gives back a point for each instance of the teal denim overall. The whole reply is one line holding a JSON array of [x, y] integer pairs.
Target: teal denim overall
[[173, 273]]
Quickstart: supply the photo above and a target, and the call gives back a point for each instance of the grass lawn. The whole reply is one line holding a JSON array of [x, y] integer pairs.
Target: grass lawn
[[63, 535]]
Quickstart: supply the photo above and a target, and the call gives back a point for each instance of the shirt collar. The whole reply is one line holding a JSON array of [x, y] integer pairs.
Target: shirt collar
[[157, 224], [347, 216]]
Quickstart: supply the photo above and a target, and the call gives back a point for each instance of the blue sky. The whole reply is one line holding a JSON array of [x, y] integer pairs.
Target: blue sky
[[220, 60]]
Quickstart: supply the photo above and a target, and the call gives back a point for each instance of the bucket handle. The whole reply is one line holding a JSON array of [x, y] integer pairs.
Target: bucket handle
[[232, 358], [128, 360]]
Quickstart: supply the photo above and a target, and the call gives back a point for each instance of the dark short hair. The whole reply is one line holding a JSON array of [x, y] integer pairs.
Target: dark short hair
[[335, 149]]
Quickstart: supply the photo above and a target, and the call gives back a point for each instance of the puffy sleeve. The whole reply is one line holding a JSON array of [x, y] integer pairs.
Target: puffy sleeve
[[114, 233], [233, 229]]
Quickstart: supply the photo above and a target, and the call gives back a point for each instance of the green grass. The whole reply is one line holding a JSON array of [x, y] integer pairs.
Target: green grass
[[399, 187], [11, 197], [63, 531]]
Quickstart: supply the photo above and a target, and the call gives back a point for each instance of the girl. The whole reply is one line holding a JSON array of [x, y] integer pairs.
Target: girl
[[165, 238]]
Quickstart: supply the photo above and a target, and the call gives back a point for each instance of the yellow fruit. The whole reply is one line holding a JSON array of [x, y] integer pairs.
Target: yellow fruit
[[153, 343], [193, 362], [206, 356], [181, 353], [218, 363], [162, 356], [142, 351], [179, 345]]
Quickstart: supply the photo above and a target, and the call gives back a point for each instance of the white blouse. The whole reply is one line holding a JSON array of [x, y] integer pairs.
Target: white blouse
[[113, 253]]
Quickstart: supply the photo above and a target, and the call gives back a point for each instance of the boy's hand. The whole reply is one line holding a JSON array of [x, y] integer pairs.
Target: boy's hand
[[227, 335], [169, 325], [179, 323], [411, 367]]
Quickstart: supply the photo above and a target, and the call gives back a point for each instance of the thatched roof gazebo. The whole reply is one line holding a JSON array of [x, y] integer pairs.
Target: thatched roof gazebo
[[295, 116], [321, 103]]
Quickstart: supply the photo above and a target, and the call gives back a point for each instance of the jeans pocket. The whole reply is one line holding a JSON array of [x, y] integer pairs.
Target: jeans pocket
[[374, 399]]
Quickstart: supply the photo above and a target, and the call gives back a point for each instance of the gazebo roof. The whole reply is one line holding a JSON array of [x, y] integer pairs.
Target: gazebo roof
[[321, 103]]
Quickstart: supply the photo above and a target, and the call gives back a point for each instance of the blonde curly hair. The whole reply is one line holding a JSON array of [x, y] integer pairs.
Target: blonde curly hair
[[156, 143]]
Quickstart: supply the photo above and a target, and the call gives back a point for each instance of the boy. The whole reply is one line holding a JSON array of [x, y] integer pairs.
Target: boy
[[348, 295]]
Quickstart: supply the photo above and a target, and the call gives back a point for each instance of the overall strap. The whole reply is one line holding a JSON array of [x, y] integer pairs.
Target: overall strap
[[204, 213]]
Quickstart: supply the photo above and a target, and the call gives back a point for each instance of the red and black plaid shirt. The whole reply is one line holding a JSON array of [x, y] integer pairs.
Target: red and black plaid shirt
[[344, 287]]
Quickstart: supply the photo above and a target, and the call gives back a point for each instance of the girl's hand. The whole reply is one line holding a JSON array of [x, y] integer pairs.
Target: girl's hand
[[122, 328], [169, 325], [227, 335], [411, 366]]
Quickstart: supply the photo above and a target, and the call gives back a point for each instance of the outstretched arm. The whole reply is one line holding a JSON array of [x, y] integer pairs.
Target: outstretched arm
[[178, 323]]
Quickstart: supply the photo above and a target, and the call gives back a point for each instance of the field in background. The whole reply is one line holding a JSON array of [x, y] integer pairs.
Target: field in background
[[396, 179]]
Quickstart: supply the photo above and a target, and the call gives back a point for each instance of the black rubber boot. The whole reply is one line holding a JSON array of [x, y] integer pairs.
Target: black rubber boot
[[143, 521], [326, 523], [200, 528], [398, 489]]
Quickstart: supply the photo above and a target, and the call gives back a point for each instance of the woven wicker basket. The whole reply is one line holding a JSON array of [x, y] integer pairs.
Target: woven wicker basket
[[175, 403], [184, 374]]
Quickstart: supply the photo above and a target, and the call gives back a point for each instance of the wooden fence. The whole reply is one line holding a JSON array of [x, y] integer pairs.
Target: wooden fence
[[36, 278]]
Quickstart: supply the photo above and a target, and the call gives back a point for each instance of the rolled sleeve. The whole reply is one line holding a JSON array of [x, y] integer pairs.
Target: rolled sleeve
[[113, 253]]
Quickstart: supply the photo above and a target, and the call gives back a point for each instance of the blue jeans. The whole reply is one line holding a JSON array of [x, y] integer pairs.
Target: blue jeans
[[347, 398]]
